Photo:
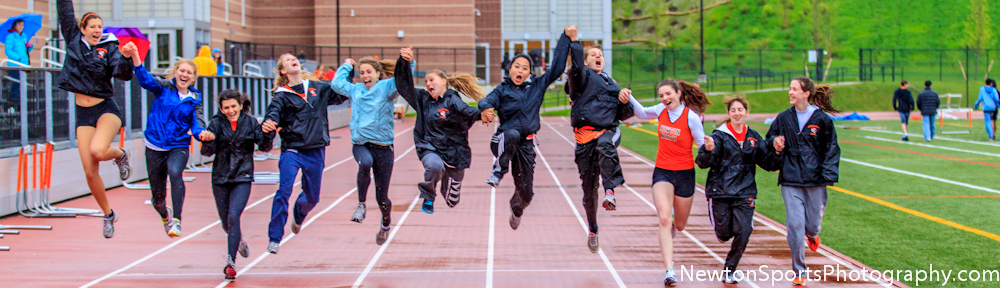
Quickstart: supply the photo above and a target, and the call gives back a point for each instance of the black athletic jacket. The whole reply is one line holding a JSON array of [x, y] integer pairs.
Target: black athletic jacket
[[811, 157], [596, 105], [234, 149], [303, 121], [518, 106], [731, 166], [88, 70], [902, 100], [442, 124]]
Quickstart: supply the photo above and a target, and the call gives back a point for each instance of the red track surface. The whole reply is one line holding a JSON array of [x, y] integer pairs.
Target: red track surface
[[449, 248]]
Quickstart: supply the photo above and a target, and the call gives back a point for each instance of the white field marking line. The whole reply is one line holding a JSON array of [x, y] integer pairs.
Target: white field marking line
[[304, 225], [821, 252], [934, 146], [203, 229], [160, 275], [583, 224], [929, 177], [493, 216], [940, 138], [361, 278], [702, 245]]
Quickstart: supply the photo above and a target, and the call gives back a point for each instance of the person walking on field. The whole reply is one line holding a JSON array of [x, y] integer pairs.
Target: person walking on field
[[988, 97], [928, 103], [902, 101]]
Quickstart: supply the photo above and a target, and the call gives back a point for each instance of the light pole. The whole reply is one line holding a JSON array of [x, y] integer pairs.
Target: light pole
[[338, 32], [701, 15]]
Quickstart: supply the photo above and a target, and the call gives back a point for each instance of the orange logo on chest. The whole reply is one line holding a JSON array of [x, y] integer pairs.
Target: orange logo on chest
[[101, 52], [443, 113]]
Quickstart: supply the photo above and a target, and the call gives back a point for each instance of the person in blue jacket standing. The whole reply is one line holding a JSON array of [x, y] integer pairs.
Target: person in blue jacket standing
[[16, 47], [175, 112], [371, 132], [990, 100]]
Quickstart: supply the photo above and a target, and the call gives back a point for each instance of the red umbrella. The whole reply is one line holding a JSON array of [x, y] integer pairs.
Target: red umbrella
[[131, 34]]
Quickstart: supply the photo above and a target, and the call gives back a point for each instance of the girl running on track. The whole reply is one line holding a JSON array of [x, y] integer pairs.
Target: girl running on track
[[299, 108], [371, 133], [811, 163], [441, 132], [731, 154], [673, 178], [232, 173], [595, 113], [175, 111], [92, 60], [517, 101]]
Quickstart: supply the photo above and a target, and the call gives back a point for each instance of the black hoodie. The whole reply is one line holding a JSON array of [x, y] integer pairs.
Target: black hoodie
[[812, 156], [732, 170], [442, 124], [518, 105], [596, 105], [234, 149], [88, 69], [303, 121]]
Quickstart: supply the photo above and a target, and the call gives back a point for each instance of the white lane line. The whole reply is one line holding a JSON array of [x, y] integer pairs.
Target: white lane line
[[304, 225], [940, 138], [161, 275], [203, 229], [702, 245], [928, 177], [361, 278], [699, 189], [583, 223], [935, 146], [490, 245]]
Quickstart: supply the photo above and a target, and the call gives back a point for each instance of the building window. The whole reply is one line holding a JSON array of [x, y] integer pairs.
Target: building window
[[483, 62], [525, 16], [203, 10], [101, 7], [202, 38], [136, 8], [150, 8]]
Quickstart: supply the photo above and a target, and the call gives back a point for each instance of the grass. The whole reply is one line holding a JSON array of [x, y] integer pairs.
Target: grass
[[882, 237]]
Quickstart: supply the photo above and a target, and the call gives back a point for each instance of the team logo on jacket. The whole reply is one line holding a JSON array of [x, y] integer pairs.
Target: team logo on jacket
[[443, 113], [101, 52], [753, 142], [813, 129], [312, 91]]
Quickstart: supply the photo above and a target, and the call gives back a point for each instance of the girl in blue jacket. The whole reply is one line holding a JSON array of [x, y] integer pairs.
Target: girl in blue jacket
[[17, 48], [989, 98], [92, 60], [175, 112], [371, 132]]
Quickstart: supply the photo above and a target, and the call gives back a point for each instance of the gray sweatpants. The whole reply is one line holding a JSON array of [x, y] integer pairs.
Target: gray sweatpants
[[437, 171], [803, 214]]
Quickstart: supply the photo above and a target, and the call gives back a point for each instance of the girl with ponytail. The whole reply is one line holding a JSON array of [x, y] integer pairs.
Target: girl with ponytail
[[673, 178], [812, 163], [441, 132]]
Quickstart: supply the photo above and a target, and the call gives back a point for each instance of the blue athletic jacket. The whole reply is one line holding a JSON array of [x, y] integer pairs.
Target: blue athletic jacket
[[371, 109], [170, 118]]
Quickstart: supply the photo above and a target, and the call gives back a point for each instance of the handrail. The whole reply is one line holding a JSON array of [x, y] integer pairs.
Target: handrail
[[227, 69], [50, 62], [247, 71], [8, 61]]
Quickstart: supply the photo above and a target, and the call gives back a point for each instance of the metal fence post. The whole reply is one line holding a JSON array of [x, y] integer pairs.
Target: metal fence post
[[48, 106], [71, 106], [24, 107]]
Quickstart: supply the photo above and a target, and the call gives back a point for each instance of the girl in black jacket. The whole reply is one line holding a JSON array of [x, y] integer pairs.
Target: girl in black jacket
[[441, 132], [731, 153], [596, 112], [236, 133], [517, 101], [811, 163], [92, 60]]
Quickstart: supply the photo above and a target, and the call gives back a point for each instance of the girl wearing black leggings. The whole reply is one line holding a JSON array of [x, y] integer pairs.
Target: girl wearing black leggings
[[232, 173]]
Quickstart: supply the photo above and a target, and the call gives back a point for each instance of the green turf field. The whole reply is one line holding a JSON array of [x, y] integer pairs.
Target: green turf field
[[891, 220]]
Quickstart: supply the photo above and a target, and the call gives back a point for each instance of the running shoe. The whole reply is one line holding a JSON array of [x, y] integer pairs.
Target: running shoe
[[175, 228], [359, 214], [383, 233], [670, 280], [109, 224], [244, 249], [273, 247], [593, 243], [124, 169], [609, 200], [428, 207], [814, 243]]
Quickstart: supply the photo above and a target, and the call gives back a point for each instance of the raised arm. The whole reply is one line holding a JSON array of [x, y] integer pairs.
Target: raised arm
[[121, 64], [577, 69], [148, 82], [640, 111], [331, 97], [404, 81], [67, 21], [341, 82], [558, 58]]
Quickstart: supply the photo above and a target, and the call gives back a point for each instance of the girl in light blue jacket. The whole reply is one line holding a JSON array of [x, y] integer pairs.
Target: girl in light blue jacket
[[990, 100], [371, 132], [16, 47]]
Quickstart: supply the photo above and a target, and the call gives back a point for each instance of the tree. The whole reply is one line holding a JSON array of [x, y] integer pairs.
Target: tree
[[978, 32]]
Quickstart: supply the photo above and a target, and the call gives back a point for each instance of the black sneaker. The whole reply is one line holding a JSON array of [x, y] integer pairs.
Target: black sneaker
[[359, 214], [381, 236], [124, 169], [593, 243], [428, 207], [906, 138]]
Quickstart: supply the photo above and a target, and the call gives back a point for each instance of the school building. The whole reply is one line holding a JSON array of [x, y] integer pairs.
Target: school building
[[452, 35]]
